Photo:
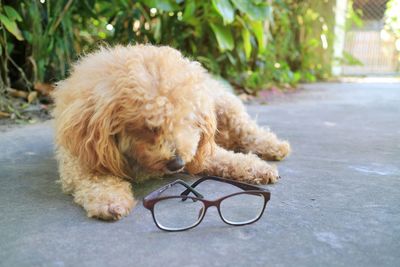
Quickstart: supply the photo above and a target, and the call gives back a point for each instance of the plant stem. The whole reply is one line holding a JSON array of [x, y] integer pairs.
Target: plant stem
[[60, 17]]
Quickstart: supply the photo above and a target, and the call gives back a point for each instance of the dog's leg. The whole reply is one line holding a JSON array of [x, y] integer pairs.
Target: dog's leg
[[237, 131], [104, 197], [242, 167]]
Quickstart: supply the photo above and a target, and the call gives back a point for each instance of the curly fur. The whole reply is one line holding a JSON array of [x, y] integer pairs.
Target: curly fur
[[124, 112]]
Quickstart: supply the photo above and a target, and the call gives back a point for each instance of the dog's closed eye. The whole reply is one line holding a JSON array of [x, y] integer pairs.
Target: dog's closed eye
[[155, 130]]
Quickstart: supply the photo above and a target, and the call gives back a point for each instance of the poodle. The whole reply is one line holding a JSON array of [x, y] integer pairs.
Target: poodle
[[130, 113]]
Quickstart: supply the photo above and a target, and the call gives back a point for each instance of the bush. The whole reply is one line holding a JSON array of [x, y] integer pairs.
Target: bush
[[392, 20], [250, 43]]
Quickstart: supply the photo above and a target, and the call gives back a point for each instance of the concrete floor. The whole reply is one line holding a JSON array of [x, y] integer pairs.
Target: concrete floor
[[336, 205]]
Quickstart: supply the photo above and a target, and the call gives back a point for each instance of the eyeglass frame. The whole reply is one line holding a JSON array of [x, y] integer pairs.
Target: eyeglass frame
[[151, 199]]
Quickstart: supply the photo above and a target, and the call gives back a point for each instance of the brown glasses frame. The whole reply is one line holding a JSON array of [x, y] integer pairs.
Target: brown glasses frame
[[151, 199]]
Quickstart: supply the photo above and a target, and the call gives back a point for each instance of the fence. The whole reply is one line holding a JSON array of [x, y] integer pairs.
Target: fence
[[371, 44]]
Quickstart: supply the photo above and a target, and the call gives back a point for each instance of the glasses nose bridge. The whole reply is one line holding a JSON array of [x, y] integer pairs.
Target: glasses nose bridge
[[209, 204]]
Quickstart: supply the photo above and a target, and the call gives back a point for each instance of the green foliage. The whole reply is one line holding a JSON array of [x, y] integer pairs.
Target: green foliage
[[350, 60], [354, 16], [392, 22], [392, 17], [9, 21], [224, 36], [225, 9], [251, 43]]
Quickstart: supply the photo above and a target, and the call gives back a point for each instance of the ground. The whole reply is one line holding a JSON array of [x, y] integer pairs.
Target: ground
[[337, 203]]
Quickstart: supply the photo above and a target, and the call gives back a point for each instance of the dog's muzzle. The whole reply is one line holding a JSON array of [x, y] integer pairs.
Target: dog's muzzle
[[175, 164]]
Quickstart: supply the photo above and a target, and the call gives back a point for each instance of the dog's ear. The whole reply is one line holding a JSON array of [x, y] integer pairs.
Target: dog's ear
[[208, 126], [88, 132]]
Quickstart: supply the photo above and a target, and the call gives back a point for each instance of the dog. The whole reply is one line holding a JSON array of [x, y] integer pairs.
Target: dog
[[129, 113]]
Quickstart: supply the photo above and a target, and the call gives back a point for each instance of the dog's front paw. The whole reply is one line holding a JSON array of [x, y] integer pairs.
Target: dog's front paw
[[276, 152], [282, 150], [109, 207], [264, 175], [252, 169]]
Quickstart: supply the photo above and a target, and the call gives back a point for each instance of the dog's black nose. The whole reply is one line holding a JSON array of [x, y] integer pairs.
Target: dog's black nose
[[175, 164]]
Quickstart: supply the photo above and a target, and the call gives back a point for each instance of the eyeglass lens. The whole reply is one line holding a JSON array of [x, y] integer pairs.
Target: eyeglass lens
[[242, 208], [175, 214]]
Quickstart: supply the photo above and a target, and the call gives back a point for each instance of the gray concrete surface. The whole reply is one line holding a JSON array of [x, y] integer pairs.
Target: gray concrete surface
[[336, 205]]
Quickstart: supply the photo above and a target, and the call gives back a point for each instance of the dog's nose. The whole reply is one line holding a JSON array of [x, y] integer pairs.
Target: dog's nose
[[175, 164]]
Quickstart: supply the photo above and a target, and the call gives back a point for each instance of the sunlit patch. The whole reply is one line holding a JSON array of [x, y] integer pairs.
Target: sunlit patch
[[329, 124], [375, 169], [324, 41], [110, 27], [153, 11]]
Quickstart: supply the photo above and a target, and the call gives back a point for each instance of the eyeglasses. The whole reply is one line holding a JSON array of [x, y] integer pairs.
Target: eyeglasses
[[183, 212]]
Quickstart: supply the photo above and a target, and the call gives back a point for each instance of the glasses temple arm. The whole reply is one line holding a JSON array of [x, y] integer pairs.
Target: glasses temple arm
[[232, 182], [158, 192], [190, 189]]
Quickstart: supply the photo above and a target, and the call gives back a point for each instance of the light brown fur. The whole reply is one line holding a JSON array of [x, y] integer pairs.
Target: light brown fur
[[124, 112]]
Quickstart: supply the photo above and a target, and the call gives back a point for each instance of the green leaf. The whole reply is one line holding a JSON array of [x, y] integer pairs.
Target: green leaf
[[224, 36], [258, 29], [225, 9], [296, 77], [246, 42], [123, 3], [349, 59], [157, 31], [12, 27], [255, 10], [232, 59], [10, 48], [12, 13], [28, 36], [209, 62], [190, 8], [164, 5]]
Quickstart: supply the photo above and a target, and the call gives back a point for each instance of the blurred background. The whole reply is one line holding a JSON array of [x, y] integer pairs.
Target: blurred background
[[255, 45]]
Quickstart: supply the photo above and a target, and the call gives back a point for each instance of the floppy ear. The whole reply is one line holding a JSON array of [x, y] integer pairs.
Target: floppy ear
[[88, 132], [205, 149]]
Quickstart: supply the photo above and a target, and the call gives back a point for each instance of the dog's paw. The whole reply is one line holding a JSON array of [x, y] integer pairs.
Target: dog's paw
[[266, 175], [277, 152], [250, 168], [110, 208]]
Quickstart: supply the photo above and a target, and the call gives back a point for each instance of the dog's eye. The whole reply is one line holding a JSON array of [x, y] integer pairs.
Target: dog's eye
[[155, 130]]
